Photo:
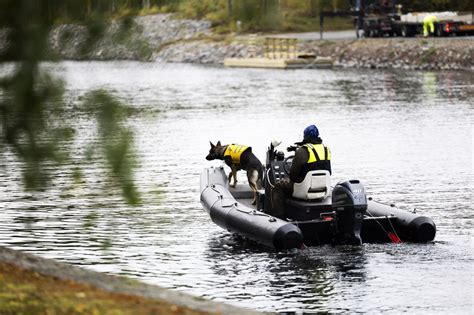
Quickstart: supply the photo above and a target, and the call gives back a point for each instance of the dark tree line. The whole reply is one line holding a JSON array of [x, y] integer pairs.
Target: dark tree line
[[80, 10]]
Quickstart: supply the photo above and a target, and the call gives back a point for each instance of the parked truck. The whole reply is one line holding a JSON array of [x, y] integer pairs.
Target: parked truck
[[379, 18], [411, 24]]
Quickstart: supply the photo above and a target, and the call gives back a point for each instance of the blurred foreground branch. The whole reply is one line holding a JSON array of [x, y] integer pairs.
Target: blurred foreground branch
[[31, 100]]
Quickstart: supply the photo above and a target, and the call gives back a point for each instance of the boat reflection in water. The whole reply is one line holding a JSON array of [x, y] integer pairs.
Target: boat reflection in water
[[307, 276]]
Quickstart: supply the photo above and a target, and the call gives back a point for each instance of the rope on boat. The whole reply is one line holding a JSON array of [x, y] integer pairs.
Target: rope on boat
[[213, 187], [381, 226], [268, 179], [394, 231], [254, 212]]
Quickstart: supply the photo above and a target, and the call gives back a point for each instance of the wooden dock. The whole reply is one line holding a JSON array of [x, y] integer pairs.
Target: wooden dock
[[279, 63], [280, 53]]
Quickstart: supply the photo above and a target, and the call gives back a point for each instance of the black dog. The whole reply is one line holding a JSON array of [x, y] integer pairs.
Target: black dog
[[239, 157]]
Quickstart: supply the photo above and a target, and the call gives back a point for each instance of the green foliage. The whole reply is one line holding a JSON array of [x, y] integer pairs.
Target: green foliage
[[262, 15], [29, 97], [125, 36], [213, 10], [290, 15], [32, 111], [116, 140], [90, 219], [151, 10], [259, 15], [254, 15]]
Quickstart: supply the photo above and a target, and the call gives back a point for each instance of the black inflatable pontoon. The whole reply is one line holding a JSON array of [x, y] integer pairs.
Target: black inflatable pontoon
[[344, 216]]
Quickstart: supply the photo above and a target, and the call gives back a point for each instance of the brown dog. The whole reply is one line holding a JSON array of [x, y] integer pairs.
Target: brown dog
[[238, 157]]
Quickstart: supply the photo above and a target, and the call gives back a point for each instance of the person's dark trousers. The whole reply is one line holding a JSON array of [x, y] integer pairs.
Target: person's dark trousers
[[282, 190]]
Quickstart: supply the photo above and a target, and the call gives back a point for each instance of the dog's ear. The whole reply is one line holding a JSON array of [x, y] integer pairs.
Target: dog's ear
[[212, 146], [218, 144]]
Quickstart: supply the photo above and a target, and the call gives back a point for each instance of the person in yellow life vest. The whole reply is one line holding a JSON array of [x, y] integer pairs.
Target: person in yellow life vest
[[311, 155], [428, 24]]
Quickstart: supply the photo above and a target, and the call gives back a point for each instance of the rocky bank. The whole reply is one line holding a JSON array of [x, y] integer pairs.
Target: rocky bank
[[386, 53], [398, 53], [163, 38], [136, 40]]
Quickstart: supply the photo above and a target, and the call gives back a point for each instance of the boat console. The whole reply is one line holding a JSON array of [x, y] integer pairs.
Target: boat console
[[344, 205]]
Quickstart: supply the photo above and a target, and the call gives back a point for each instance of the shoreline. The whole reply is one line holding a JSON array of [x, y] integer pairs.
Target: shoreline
[[38, 278], [162, 38], [386, 53]]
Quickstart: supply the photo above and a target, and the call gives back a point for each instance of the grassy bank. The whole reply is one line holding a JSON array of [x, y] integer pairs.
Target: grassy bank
[[31, 284], [227, 16], [254, 16], [27, 292]]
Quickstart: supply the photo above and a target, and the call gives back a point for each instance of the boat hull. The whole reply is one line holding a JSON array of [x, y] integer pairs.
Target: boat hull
[[407, 225], [229, 214], [380, 224]]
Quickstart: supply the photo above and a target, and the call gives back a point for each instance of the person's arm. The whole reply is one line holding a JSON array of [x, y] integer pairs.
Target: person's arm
[[300, 159]]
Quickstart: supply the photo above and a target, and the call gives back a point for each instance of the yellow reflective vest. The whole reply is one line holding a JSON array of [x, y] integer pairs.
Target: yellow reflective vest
[[317, 152], [235, 151]]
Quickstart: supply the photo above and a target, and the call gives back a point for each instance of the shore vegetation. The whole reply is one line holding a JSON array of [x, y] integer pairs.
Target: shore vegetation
[[32, 99], [27, 292], [235, 15]]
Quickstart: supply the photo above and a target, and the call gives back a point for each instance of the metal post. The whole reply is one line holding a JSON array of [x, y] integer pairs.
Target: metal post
[[280, 49], [267, 53], [321, 21], [273, 48], [293, 45]]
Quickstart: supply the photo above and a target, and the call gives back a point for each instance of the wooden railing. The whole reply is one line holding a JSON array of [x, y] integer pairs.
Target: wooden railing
[[280, 48]]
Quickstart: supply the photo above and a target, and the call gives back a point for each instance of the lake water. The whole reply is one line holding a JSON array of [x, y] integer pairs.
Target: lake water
[[408, 136]]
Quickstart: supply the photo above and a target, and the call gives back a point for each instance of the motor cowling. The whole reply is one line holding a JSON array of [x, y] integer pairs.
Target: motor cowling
[[349, 202]]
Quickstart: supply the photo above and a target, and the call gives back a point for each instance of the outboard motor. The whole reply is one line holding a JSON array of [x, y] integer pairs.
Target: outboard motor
[[349, 203]]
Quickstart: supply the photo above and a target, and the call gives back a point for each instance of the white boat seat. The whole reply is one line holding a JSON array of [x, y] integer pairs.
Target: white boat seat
[[315, 185]]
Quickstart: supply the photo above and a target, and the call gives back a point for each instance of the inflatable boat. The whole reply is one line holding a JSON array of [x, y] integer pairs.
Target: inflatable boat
[[317, 213]]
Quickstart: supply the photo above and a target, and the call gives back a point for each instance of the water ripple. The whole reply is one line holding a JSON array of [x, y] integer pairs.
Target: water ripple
[[406, 135]]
